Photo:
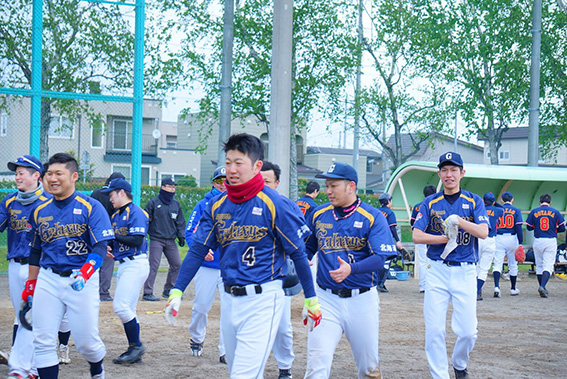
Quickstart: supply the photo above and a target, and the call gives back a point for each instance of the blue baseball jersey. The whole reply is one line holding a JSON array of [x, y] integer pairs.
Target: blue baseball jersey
[[511, 221], [16, 217], [494, 214], [194, 221], [130, 221], [360, 236], [436, 209], [545, 221], [414, 212], [254, 238], [306, 204], [66, 231], [389, 215]]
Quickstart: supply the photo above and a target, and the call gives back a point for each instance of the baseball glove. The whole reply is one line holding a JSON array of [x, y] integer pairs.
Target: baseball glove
[[520, 254], [451, 226], [25, 315]]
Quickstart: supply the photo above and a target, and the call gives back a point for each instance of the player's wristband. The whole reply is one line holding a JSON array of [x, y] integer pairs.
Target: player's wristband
[[94, 261]]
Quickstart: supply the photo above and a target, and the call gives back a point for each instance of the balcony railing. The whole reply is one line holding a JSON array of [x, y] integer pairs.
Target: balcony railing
[[122, 142]]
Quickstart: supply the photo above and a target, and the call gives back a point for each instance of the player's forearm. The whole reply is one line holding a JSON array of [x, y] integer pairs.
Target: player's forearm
[[477, 230], [419, 236], [190, 265], [394, 232], [134, 241], [33, 272], [305, 277], [370, 264]]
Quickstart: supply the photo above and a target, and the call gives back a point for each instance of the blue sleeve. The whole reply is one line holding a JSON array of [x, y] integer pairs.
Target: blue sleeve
[[193, 221], [190, 265], [561, 223], [414, 213], [381, 244], [99, 224], [4, 215], [100, 248], [311, 240], [530, 221], [394, 232], [422, 218], [370, 264]]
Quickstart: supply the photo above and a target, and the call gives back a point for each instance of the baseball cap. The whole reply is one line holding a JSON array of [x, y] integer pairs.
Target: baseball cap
[[168, 182], [219, 171], [117, 185], [26, 161], [489, 197], [507, 196], [384, 198], [340, 170], [450, 158]]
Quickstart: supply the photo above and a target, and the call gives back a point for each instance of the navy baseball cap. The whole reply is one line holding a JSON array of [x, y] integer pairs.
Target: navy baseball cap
[[168, 182], [489, 197], [450, 158], [219, 172], [340, 170], [117, 185], [507, 196], [384, 198], [26, 161]]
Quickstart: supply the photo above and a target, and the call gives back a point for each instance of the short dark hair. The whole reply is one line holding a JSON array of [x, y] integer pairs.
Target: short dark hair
[[312, 187], [267, 166], [129, 195], [429, 190], [45, 168], [545, 198], [67, 159], [247, 144]]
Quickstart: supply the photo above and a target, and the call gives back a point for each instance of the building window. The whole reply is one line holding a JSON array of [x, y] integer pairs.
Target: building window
[[487, 154], [171, 142], [3, 124], [504, 155], [97, 130], [121, 134], [61, 127], [123, 169]]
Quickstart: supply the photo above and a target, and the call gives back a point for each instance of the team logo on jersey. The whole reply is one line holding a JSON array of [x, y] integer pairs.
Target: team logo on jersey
[[465, 206], [302, 231], [77, 211], [358, 224], [240, 233], [257, 211]]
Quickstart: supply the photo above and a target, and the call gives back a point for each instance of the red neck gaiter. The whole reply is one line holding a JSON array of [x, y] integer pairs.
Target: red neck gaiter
[[239, 193]]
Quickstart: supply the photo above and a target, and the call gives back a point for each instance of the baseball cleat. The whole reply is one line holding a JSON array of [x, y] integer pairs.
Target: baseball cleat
[[3, 358], [196, 348], [285, 374], [461, 374], [514, 292], [64, 354], [222, 359], [132, 355], [497, 292], [99, 376], [542, 292], [479, 297]]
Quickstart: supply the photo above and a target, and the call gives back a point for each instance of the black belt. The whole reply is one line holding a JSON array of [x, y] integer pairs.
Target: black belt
[[501, 234], [63, 274], [131, 257], [23, 261], [240, 290], [456, 263], [346, 292]]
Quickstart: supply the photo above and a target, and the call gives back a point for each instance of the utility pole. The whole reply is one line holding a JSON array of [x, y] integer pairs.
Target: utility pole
[[357, 91], [533, 131], [226, 79]]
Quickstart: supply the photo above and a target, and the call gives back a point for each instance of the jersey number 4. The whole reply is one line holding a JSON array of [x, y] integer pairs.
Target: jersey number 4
[[249, 256]]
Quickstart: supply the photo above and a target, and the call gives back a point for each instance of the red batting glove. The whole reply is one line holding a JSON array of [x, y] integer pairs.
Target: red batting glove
[[29, 289]]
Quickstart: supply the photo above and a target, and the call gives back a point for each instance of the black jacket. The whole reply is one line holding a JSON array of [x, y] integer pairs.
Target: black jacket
[[166, 221]]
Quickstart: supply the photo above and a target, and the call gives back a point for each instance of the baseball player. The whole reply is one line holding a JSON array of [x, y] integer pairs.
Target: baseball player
[[207, 278], [487, 246], [420, 248], [353, 240], [508, 236], [130, 249], [15, 213], [307, 203], [546, 222], [283, 344], [254, 231], [451, 274], [386, 203], [70, 235]]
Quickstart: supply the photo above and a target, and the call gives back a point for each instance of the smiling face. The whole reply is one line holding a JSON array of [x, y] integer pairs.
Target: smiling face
[[240, 168], [341, 193], [451, 178], [25, 180], [61, 180]]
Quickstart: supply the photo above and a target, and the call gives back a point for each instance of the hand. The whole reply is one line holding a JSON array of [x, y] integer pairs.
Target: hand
[[79, 280], [210, 256], [29, 289], [399, 245], [451, 226], [172, 306], [342, 272], [312, 313], [181, 241]]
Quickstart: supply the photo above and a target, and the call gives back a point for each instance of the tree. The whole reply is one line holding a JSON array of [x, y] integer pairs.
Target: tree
[[402, 99], [482, 47], [86, 46], [323, 36]]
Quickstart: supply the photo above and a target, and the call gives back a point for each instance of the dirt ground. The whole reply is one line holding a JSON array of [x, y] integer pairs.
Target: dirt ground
[[519, 337]]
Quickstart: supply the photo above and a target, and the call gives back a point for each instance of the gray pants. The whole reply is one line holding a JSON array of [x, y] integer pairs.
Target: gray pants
[[169, 248], [105, 277]]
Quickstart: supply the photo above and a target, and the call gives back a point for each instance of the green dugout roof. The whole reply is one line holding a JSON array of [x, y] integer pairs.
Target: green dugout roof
[[527, 184]]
